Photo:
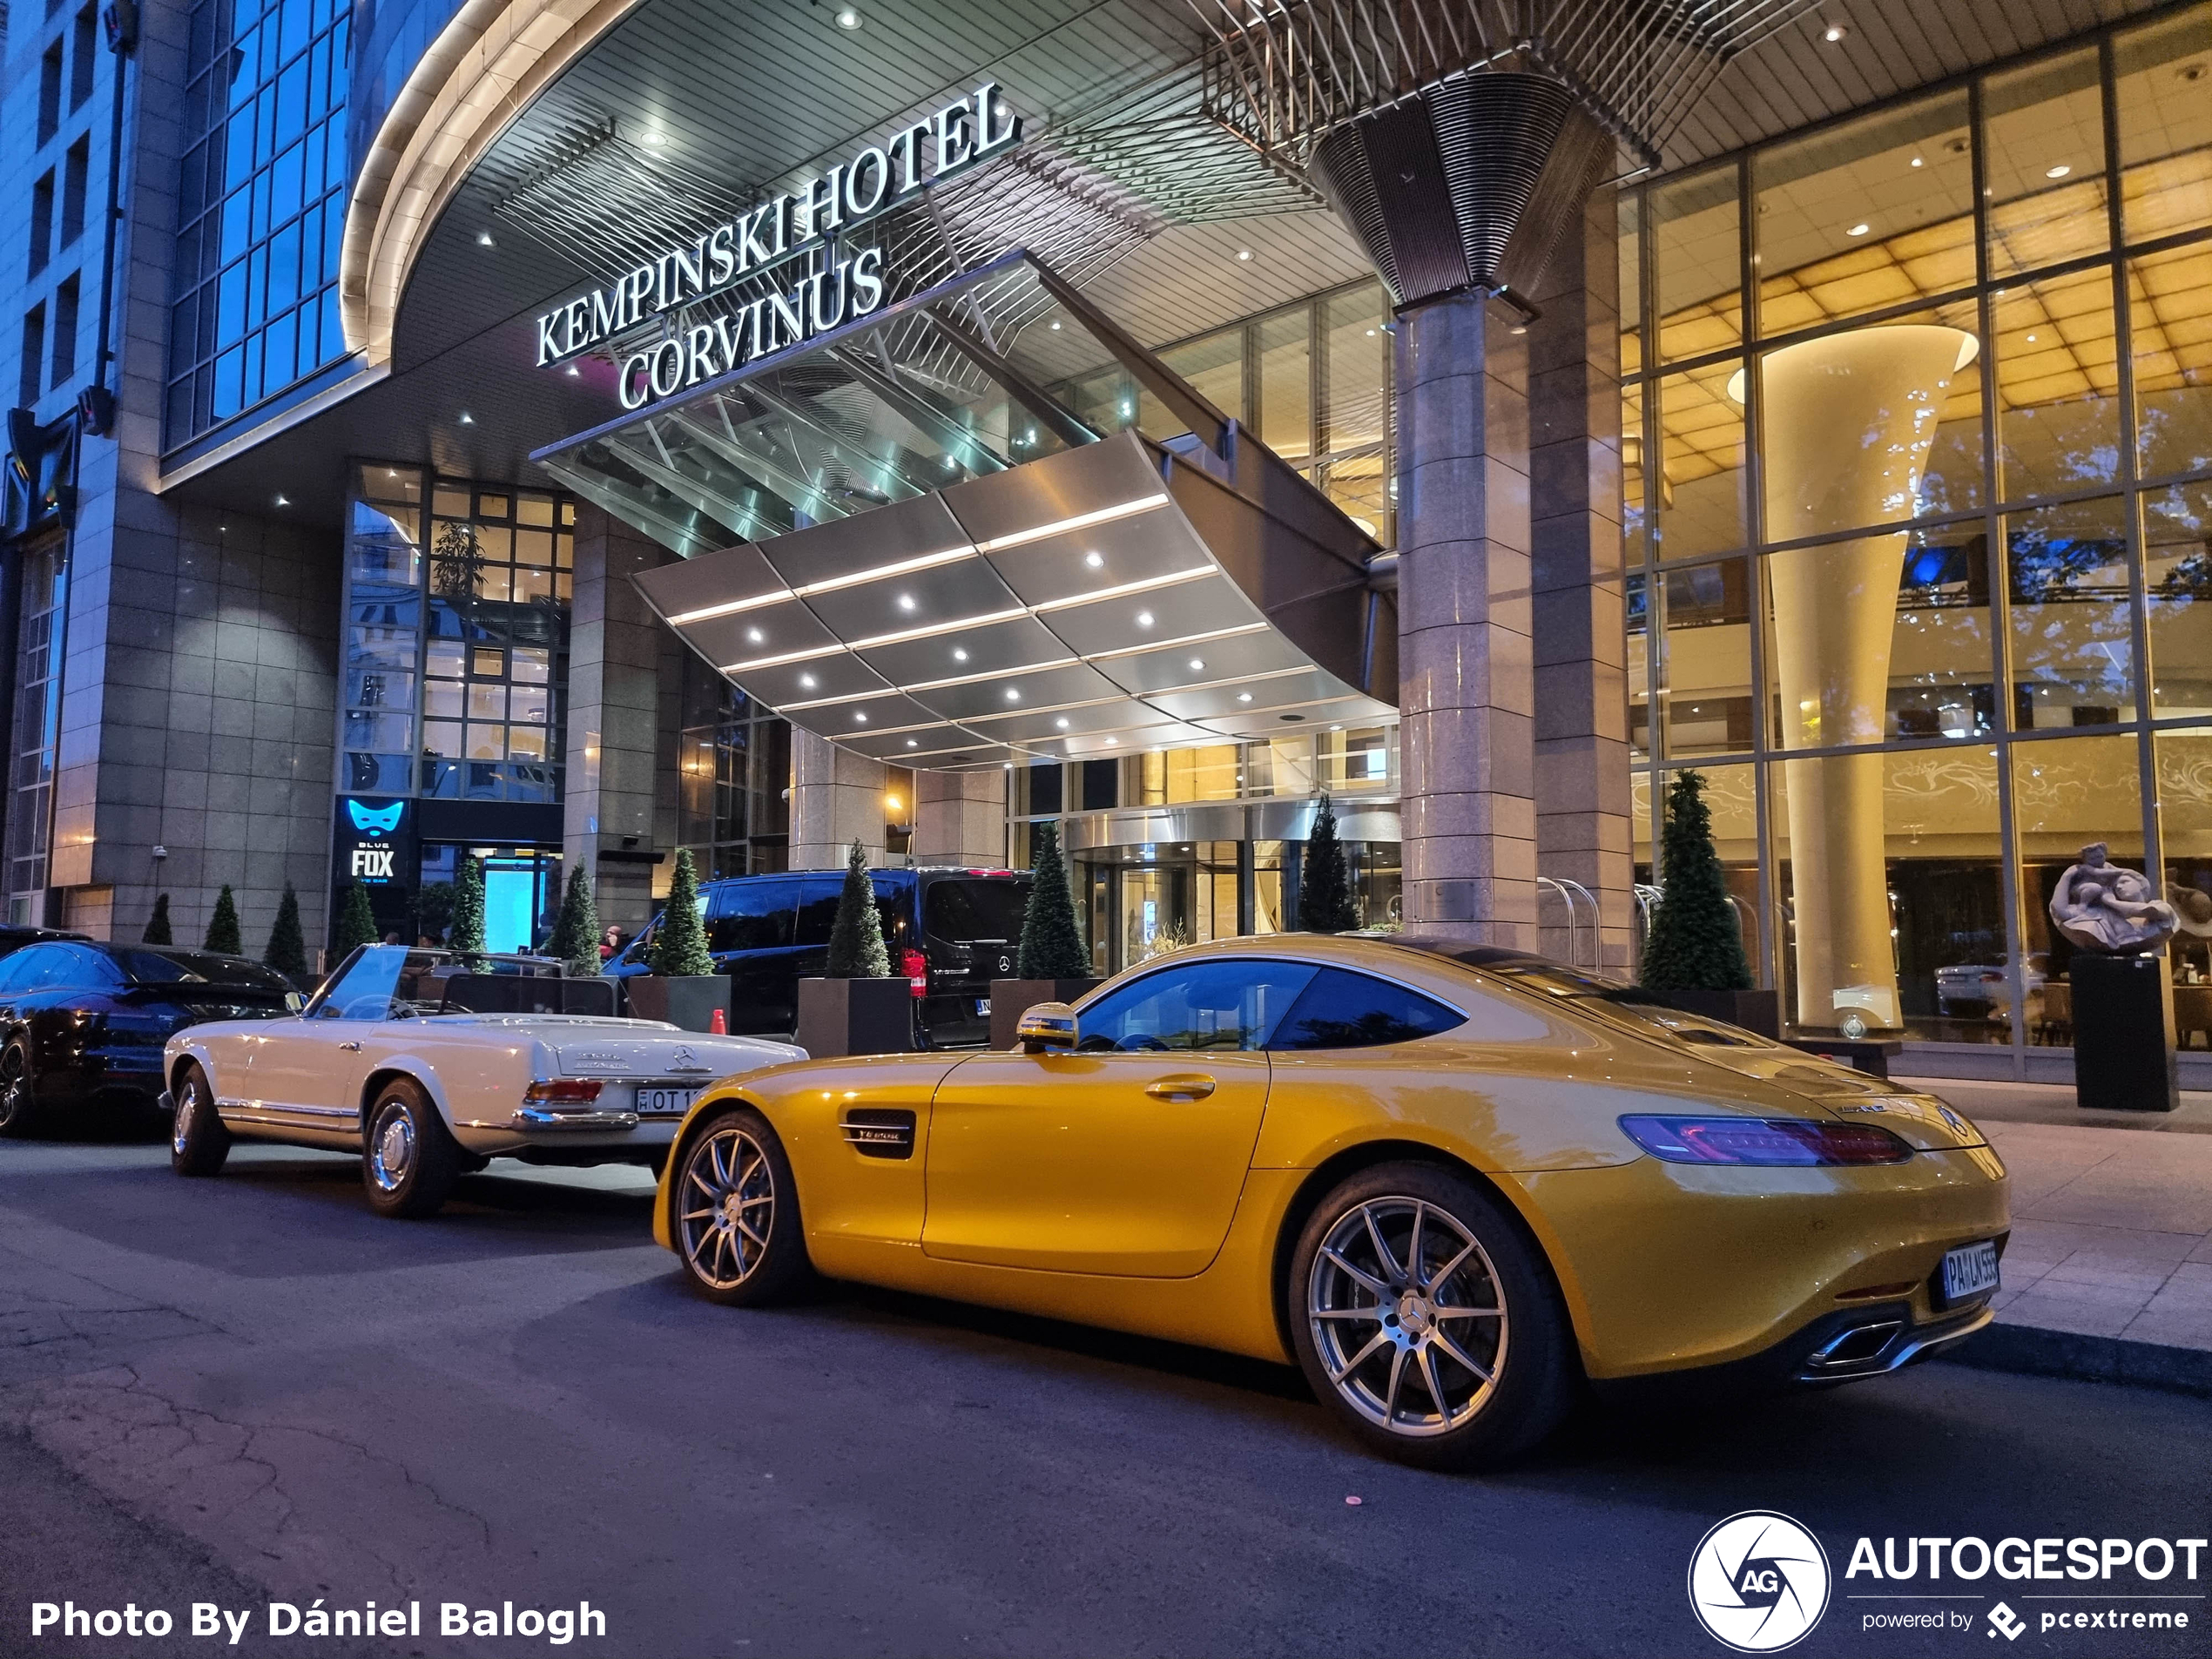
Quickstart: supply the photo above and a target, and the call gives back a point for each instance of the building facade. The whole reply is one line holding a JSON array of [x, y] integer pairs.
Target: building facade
[[404, 460]]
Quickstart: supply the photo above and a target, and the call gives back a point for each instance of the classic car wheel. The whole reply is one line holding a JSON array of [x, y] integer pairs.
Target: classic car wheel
[[15, 1090], [737, 1213], [1425, 1318], [408, 1160], [198, 1141]]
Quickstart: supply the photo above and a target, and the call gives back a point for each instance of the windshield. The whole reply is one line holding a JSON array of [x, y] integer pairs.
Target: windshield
[[198, 967], [972, 910], [393, 982]]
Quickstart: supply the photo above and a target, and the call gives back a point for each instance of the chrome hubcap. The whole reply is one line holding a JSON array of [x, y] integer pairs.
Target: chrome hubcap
[[728, 1196], [392, 1148], [185, 1103], [1408, 1316]]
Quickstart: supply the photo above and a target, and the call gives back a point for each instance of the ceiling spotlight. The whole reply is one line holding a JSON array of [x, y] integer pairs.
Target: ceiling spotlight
[[1095, 559], [848, 20], [1061, 723], [1244, 697], [906, 601], [807, 682], [1859, 230], [859, 719], [1244, 254], [1056, 324], [1834, 32], [282, 501], [1197, 664], [1012, 696], [574, 372], [654, 138], [960, 655], [1112, 742], [1918, 162], [483, 239], [2058, 171], [914, 742], [754, 636], [1144, 619]]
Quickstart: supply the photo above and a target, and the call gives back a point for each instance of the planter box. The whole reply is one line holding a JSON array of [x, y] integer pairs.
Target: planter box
[[1012, 998], [689, 1001], [1759, 1011], [847, 1017]]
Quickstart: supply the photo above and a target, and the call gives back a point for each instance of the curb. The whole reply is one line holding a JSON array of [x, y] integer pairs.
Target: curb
[[2029, 1350]]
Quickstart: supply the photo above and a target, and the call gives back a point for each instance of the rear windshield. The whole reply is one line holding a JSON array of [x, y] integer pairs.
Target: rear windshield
[[198, 967], [974, 910]]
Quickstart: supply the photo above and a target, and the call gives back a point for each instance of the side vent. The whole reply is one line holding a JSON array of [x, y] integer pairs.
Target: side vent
[[879, 1132]]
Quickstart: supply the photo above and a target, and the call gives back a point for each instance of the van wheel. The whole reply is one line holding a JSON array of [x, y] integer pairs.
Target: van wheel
[[198, 1141], [736, 1211], [408, 1159], [1426, 1322]]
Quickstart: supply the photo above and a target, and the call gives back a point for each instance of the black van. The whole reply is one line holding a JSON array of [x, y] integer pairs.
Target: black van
[[952, 931]]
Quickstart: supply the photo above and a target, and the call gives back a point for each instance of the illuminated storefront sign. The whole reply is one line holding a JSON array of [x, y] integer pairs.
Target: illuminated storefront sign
[[369, 833], [876, 179]]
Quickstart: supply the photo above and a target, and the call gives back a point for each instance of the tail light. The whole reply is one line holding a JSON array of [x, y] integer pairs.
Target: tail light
[[562, 1091], [915, 966], [1763, 1141]]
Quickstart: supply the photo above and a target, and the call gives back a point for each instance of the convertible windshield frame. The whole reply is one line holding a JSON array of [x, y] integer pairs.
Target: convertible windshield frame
[[392, 968]]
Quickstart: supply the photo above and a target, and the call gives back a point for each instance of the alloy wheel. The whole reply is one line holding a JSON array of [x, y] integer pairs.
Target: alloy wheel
[[15, 1089], [1407, 1316], [727, 1201], [391, 1148]]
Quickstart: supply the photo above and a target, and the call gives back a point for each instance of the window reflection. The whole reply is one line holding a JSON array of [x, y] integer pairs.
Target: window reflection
[[2163, 98], [2177, 578], [2058, 380], [2045, 163], [2072, 656]]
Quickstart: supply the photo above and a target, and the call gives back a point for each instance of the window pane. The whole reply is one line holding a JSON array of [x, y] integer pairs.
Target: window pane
[[1701, 463], [2073, 659], [2169, 311], [2177, 574], [2163, 93], [1631, 293], [1865, 216], [1341, 1009], [1215, 368], [2058, 413], [2184, 762], [1208, 1005], [1705, 675], [1284, 399], [2044, 164], [1639, 608], [1697, 265], [2066, 793]]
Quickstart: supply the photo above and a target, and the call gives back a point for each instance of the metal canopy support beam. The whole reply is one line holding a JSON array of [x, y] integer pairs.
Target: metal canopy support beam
[[1155, 376], [796, 491], [1032, 397], [893, 484], [924, 410]]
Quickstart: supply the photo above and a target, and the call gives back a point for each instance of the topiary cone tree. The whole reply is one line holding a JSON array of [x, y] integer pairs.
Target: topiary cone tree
[[576, 935], [1052, 946], [157, 931], [856, 947], [1326, 904], [287, 951], [222, 927], [356, 923], [679, 947], [1694, 945], [467, 932]]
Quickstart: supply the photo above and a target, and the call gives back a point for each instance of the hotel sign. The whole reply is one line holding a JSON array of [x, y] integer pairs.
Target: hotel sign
[[877, 177]]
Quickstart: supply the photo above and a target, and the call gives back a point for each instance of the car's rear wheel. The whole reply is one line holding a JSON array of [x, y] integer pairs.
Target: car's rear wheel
[[15, 1090], [1425, 1319], [198, 1141], [408, 1159], [736, 1213]]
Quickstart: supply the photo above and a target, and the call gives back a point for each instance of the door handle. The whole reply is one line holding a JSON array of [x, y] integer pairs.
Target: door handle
[[350, 1047], [1180, 1088]]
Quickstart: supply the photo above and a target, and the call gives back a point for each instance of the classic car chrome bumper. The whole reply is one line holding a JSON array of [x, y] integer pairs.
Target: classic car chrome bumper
[[543, 1118]]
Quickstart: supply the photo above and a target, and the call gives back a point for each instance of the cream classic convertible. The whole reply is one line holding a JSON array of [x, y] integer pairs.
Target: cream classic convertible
[[403, 1057]]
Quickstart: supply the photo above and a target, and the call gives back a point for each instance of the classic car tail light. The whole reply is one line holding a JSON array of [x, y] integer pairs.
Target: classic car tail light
[[562, 1091], [915, 966], [1763, 1141]]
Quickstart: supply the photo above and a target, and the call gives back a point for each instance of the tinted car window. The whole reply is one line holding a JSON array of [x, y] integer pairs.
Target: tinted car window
[[818, 898], [966, 909], [26, 969], [74, 967], [1342, 1010], [165, 967], [1205, 1005], [753, 915]]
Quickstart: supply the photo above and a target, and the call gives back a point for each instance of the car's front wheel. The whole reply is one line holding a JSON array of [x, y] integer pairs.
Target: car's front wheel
[[198, 1141], [736, 1211], [1423, 1316], [15, 1090], [408, 1159]]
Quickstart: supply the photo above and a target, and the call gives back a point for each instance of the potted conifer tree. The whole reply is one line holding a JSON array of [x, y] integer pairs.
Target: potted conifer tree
[[356, 924], [576, 935], [1694, 959], [157, 931], [857, 1007], [288, 948], [466, 935], [1325, 901], [681, 986], [223, 936], [1054, 965]]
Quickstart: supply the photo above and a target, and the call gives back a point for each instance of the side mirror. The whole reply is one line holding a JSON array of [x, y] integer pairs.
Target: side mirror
[[294, 1002], [1048, 1027]]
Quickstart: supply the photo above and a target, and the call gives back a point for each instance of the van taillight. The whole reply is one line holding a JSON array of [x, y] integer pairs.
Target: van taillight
[[915, 966]]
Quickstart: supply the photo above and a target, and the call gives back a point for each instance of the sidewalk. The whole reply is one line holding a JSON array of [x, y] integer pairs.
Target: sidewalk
[[2109, 1273]]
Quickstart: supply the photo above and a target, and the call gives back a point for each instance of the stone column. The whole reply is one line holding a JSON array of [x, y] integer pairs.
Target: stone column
[[1581, 628], [1466, 659], [960, 818], [836, 797], [619, 818]]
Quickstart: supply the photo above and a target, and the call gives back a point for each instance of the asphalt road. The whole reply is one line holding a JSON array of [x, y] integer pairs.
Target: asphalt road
[[251, 1389]]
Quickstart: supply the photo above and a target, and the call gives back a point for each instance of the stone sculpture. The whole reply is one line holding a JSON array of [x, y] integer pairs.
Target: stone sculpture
[[2100, 906]]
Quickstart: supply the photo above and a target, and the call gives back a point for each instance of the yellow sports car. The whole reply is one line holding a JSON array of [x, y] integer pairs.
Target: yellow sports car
[[1449, 1180]]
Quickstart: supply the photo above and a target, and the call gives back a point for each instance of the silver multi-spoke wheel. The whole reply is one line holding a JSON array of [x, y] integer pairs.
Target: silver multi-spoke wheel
[[1407, 1316], [727, 1206]]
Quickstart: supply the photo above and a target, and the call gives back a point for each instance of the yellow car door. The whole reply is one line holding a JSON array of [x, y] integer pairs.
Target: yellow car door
[[1126, 1156]]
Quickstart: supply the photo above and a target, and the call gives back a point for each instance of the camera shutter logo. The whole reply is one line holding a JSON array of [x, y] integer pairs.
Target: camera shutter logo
[[1758, 1582]]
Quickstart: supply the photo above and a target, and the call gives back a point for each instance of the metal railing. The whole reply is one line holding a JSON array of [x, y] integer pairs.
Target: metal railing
[[1573, 895]]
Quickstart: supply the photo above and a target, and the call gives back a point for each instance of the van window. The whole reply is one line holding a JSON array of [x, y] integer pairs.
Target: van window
[[753, 915], [818, 896], [967, 910]]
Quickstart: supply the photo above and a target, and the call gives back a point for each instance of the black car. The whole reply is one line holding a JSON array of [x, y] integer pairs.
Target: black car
[[82, 1024], [951, 932]]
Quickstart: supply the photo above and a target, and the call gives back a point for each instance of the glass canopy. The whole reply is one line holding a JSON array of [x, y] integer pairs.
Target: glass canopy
[[984, 525]]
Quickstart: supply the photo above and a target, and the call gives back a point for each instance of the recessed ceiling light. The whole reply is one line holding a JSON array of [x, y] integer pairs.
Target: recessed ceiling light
[[906, 601], [754, 636], [914, 742], [1371, 334], [468, 419], [1095, 559], [2030, 340], [1197, 664], [1859, 230], [1834, 32], [859, 719], [1055, 323], [282, 502], [1918, 162], [1012, 696], [1061, 723], [1244, 697], [483, 239], [2058, 171], [654, 138], [848, 20], [574, 372], [1112, 742], [807, 682], [1244, 254], [1144, 619]]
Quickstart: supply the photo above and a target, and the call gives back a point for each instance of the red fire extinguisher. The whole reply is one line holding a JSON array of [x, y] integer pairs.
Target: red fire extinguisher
[[915, 966]]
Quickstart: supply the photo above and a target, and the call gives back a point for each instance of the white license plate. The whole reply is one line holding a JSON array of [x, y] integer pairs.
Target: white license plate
[[982, 1007], [665, 1103], [1969, 1271]]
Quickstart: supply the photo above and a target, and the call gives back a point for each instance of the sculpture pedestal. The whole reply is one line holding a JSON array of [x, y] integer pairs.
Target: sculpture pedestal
[[2123, 1034]]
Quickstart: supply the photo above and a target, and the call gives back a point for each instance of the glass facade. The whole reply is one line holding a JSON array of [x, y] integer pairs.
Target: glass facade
[[1918, 424], [734, 767], [34, 744], [260, 208]]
